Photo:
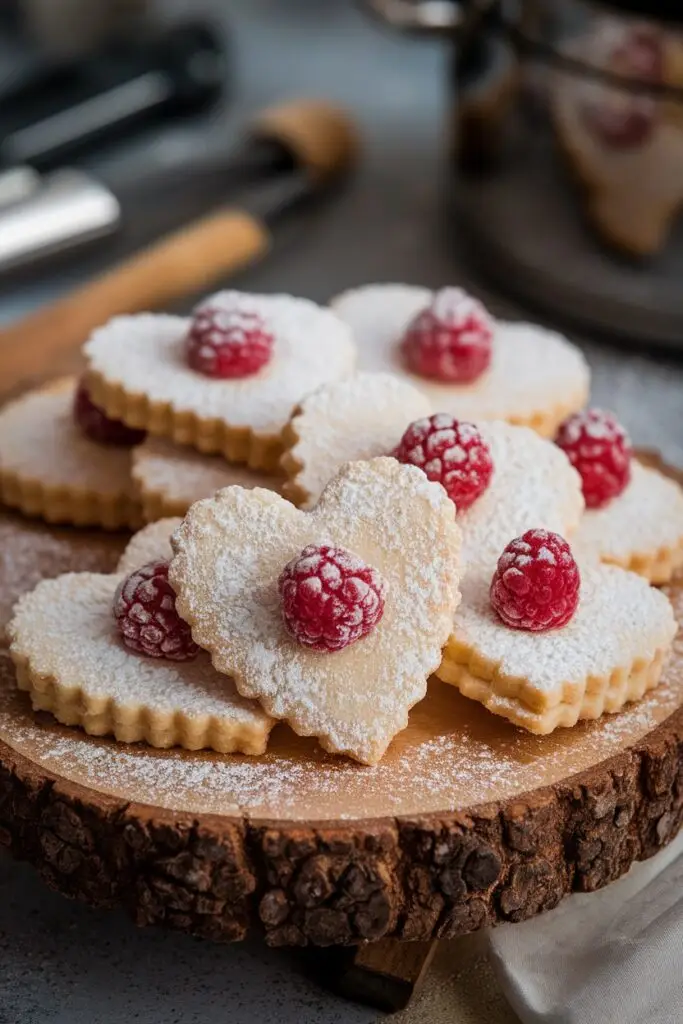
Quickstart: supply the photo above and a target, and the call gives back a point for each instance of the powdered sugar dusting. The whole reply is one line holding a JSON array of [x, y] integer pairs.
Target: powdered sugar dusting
[[39, 439], [358, 418], [151, 544], [645, 517], [533, 486], [180, 475], [533, 370], [230, 552], [65, 630], [619, 620], [145, 354]]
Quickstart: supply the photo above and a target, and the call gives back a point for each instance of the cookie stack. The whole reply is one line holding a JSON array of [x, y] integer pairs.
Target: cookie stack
[[364, 496]]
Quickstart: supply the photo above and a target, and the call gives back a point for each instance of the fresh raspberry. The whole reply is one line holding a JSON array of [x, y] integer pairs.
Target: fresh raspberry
[[330, 598], [451, 452], [145, 612], [623, 119], [228, 342], [451, 339], [598, 447], [96, 425], [536, 584]]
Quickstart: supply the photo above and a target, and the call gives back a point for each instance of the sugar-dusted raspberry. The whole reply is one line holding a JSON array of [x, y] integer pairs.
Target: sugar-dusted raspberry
[[536, 584], [96, 425], [228, 341], [451, 339], [451, 452], [145, 613], [330, 598], [599, 449]]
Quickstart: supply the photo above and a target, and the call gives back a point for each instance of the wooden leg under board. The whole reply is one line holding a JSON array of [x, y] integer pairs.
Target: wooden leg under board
[[385, 974]]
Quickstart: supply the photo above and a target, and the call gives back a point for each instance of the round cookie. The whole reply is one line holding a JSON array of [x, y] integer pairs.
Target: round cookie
[[536, 377], [171, 477], [50, 469], [137, 371], [611, 652], [70, 658], [641, 529]]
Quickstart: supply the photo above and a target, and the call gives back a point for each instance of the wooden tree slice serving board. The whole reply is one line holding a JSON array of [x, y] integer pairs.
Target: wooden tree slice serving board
[[466, 822]]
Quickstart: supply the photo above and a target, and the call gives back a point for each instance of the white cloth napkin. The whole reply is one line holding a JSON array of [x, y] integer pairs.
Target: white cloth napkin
[[609, 957]]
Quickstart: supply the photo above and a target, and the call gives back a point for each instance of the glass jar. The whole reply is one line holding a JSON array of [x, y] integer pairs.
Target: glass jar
[[567, 152]]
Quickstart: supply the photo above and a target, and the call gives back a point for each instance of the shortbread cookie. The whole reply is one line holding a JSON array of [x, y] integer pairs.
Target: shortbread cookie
[[376, 561], [167, 374], [534, 376], [49, 468], [71, 660], [354, 419], [641, 529], [634, 515], [171, 477], [150, 544], [531, 484], [609, 651]]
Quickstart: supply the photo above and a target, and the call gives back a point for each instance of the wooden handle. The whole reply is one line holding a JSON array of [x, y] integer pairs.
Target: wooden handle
[[186, 262]]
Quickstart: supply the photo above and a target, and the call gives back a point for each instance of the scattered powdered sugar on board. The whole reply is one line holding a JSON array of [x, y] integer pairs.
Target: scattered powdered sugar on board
[[533, 369], [645, 517], [145, 354], [453, 755], [32, 551]]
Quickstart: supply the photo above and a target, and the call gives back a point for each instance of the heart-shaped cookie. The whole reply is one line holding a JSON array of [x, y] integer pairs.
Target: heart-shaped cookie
[[171, 477], [51, 469], [139, 370], [231, 552], [535, 377], [610, 652], [358, 418], [641, 529], [70, 658]]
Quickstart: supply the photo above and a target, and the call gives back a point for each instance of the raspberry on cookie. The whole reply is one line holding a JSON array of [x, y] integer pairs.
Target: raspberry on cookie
[[451, 452], [109, 653], [467, 363], [634, 514], [336, 621], [545, 642], [223, 381]]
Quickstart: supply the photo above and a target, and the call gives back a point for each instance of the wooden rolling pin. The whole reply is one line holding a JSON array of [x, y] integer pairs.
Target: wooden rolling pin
[[304, 145]]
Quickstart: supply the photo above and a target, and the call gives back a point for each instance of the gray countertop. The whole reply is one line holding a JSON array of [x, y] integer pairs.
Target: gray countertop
[[66, 964]]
